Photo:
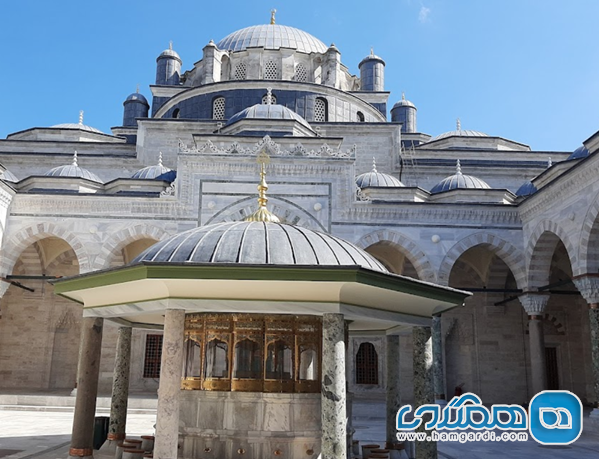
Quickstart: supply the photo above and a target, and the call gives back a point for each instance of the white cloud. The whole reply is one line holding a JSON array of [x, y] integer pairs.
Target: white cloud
[[423, 16]]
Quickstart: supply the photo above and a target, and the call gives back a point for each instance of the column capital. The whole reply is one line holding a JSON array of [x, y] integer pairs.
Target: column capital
[[588, 286], [534, 303]]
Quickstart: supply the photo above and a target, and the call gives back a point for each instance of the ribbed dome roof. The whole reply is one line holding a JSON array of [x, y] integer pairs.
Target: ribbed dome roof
[[137, 97], [79, 125], [268, 111], [459, 132], [170, 52], [371, 57], [403, 103], [8, 176], [459, 181], [526, 189], [83, 127], [377, 179], [152, 172], [579, 153], [73, 170], [272, 36], [258, 243]]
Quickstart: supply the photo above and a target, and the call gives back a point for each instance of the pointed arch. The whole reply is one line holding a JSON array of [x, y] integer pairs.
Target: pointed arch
[[540, 249], [510, 254], [17, 242], [588, 249], [406, 246], [125, 237]]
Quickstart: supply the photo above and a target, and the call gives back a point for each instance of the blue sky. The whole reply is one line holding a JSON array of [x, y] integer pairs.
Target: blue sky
[[524, 70]]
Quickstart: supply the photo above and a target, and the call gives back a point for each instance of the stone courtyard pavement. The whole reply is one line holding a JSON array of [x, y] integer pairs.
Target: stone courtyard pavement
[[42, 431]]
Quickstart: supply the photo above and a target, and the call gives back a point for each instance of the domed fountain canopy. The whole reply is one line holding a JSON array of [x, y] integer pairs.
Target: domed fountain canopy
[[257, 243], [459, 181], [377, 179], [73, 170]]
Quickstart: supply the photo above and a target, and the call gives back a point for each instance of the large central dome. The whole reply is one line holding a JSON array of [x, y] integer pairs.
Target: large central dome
[[272, 36]]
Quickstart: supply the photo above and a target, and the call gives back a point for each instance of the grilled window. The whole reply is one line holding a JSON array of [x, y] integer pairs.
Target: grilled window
[[270, 70], [301, 74], [273, 99], [218, 108], [153, 356], [240, 71], [320, 110], [367, 365]]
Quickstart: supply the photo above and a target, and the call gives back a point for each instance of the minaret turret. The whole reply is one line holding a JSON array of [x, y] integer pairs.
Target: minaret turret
[[404, 112], [372, 73], [168, 67]]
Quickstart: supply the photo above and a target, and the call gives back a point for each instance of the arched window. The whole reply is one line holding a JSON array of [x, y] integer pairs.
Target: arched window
[[193, 358], [308, 364], [218, 108], [360, 117], [217, 363], [301, 74], [279, 361], [176, 112], [273, 99], [248, 360], [320, 109], [240, 71], [270, 70], [367, 365]]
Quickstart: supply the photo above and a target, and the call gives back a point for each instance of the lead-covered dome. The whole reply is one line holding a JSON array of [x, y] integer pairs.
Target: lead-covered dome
[[251, 242], [272, 36], [157, 171], [73, 170], [459, 181], [375, 178], [459, 132], [579, 153], [8, 176], [268, 111]]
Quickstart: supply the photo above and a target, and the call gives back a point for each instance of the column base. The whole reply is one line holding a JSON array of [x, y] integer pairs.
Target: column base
[[109, 446], [81, 453]]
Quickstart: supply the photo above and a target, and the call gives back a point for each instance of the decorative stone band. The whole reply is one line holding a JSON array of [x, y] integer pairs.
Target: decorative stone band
[[588, 286], [80, 452], [534, 303], [116, 436]]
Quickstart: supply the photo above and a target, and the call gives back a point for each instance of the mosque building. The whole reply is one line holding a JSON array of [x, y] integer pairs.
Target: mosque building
[[353, 187]]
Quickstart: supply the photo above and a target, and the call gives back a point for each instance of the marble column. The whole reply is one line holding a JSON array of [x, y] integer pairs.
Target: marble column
[[588, 286], [423, 385], [534, 304], [171, 365], [393, 386], [333, 395], [82, 439], [120, 388], [438, 358]]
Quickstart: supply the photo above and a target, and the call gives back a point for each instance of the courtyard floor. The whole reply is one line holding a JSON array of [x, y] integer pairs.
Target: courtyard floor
[[31, 429]]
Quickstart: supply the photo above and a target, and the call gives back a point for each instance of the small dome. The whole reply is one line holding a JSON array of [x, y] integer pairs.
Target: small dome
[[169, 53], [371, 57], [137, 97], [79, 125], [73, 170], [459, 181], [459, 132], [579, 153], [272, 36], [8, 176], [153, 172], [403, 103], [258, 243], [526, 189], [268, 111], [377, 179]]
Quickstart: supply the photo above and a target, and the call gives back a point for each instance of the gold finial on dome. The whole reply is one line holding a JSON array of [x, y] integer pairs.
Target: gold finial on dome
[[458, 124], [75, 159], [262, 214], [272, 16], [80, 116]]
